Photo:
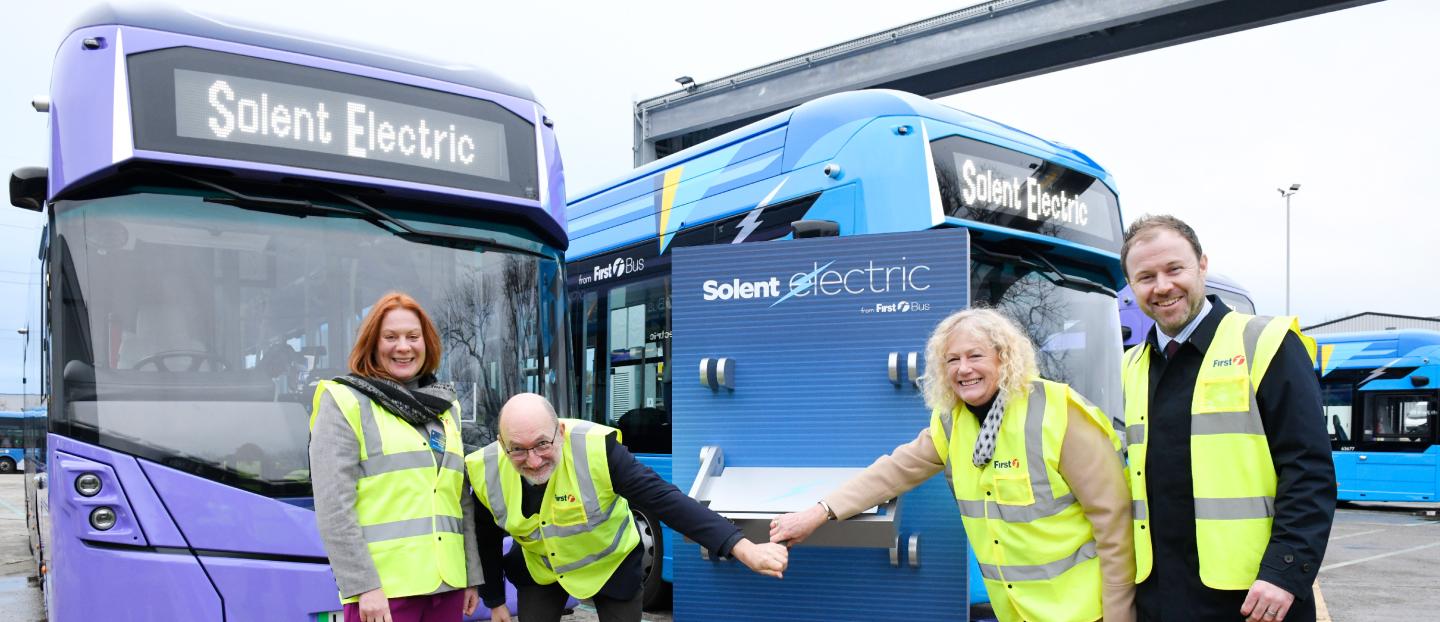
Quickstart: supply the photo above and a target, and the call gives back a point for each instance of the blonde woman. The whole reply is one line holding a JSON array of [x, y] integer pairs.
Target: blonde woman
[[1034, 466]]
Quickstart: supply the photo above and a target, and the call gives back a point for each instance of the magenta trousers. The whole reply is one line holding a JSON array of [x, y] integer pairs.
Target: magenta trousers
[[446, 607]]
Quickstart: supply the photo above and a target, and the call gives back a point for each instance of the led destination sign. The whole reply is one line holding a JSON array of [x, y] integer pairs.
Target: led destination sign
[[989, 184], [208, 103], [227, 108]]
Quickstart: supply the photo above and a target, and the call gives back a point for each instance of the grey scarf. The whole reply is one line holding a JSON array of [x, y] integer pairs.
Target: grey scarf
[[985, 443], [417, 406]]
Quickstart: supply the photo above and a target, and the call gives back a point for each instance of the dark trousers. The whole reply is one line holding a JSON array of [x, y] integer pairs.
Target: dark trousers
[[546, 603]]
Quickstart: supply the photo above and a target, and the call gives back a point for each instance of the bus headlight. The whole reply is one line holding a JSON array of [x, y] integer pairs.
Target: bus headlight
[[102, 518], [88, 484]]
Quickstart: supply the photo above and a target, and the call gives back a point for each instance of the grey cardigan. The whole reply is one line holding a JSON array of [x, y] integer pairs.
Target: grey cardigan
[[334, 473]]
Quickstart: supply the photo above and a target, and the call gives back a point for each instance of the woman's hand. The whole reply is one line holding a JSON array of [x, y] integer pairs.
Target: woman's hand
[[500, 614], [472, 600], [374, 607], [769, 559], [791, 529]]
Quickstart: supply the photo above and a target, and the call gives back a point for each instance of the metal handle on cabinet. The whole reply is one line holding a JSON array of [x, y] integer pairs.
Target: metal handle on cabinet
[[717, 372]]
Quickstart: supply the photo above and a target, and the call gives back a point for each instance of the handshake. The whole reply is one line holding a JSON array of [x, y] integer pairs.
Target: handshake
[[773, 557]]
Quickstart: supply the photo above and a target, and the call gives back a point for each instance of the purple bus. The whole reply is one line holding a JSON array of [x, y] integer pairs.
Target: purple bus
[[223, 202]]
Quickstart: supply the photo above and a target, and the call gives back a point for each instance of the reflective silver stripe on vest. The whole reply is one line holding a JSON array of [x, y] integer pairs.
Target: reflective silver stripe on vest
[[1140, 509], [1226, 423], [493, 492], [1135, 434], [368, 426], [410, 528], [1235, 509], [578, 452], [1016, 513], [946, 421], [379, 464], [1251, 336], [453, 461], [1035, 446], [593, 557], [1039, 572]]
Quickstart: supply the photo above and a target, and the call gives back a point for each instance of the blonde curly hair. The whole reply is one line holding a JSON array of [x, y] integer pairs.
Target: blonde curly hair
[[1014, 354]]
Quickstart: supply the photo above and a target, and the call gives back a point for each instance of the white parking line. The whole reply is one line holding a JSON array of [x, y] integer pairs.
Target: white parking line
[[1380, 556], [1358, 533]]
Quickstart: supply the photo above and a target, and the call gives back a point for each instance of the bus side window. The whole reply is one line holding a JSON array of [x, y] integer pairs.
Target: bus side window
[[1400, 418]]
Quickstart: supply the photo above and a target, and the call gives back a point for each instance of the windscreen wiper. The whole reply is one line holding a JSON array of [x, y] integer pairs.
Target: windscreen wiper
[[300, 208], [1048, 270], [404, 231]]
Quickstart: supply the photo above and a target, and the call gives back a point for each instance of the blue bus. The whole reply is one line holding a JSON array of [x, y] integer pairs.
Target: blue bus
[[223, 202], [13, 442], [1381, 392], [1134, 323], [1043, 220]]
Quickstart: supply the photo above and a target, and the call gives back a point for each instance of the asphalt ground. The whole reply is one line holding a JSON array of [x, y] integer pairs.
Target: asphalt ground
[[19, 596], [1383, 563]]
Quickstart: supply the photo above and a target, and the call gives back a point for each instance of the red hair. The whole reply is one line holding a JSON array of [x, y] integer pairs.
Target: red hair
[[362, 355]]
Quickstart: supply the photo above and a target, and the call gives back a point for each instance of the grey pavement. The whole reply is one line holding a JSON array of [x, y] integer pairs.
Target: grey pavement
[[19, 597], [1382, 563]]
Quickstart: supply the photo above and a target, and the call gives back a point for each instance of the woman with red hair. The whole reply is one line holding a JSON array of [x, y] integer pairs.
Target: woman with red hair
[[389, 475]]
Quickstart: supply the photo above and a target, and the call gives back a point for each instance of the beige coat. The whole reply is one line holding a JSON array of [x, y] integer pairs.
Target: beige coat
[[1089, 465]]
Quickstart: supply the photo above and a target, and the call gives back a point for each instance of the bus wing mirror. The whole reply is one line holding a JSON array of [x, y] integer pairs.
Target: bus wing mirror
[[27, 187], [815, 228]]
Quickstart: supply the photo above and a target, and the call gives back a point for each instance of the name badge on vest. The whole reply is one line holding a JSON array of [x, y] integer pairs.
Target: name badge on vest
[[437, 441]]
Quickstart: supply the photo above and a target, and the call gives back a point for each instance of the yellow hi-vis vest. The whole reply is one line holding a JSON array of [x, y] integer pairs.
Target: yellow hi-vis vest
[[416, 546], [1035, 547], [1230, 464], [583, 529]]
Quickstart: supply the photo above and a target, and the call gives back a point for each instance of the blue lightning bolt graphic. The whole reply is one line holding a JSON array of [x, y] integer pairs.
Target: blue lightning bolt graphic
[[804, 283]]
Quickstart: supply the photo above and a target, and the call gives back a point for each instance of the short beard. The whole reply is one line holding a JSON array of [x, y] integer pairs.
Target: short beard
[[537, 481]]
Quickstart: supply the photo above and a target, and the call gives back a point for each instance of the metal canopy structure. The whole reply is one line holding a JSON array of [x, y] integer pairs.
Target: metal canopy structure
[[967, 49]]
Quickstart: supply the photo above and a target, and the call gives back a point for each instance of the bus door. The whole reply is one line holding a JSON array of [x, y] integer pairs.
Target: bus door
[[794, 367]]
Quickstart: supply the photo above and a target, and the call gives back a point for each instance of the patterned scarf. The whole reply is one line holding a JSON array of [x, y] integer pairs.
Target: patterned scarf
[[985, 443], [417, 406]]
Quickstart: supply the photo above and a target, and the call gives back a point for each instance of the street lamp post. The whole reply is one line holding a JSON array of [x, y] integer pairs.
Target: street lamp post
[[1287, 194], [24, 362]]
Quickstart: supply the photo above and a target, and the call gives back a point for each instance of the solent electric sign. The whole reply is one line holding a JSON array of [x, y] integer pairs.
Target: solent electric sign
[[827, 281]]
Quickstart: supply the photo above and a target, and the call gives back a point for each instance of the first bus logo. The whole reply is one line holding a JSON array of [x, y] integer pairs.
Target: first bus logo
[[1238, 359]]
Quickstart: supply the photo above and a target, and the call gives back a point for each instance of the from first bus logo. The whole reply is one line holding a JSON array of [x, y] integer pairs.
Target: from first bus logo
[[1238, 359]]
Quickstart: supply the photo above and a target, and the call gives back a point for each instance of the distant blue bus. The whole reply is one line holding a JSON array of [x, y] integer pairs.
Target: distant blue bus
[[1381, 391], [12, 442], [1134, 323], [1043, 219]]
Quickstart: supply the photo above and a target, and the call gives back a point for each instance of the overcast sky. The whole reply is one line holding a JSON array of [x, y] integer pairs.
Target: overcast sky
[[1342, 103]]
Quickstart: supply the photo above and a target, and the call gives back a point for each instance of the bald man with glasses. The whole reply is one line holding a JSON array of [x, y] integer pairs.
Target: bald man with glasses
[[562, 489]]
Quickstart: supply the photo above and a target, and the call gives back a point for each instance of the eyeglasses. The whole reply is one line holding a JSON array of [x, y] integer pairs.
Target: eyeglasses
[[520, 453]]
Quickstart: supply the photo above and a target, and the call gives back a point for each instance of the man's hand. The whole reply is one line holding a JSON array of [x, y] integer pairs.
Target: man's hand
[[1266, 602], [374, 607], [769, 559], [791, 529], [472, 600], [500, 614]]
